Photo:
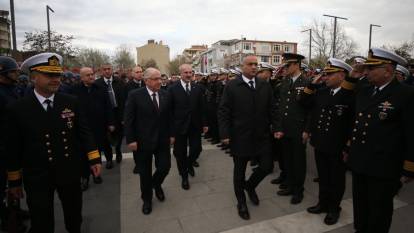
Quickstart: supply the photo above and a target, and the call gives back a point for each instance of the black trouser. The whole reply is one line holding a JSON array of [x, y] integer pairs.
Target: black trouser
[[3, 182], [294, 154], [118, 140], [107, 149], [191, 139], [144, 163], [40, 197], [331, 170], [278, 156], [239, 174], [373, 202]]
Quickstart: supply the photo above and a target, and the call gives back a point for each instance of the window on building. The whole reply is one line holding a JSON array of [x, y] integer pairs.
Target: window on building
[[265, 48], [247, 46], [276, 47], [264, 59], [287, 48], [276, 59]]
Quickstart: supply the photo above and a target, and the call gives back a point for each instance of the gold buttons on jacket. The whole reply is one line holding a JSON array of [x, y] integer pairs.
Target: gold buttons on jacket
[[360, 114], [66, 155], [47, 143], [63, 132], [47, 136], [49, 151], [65, 140], [66, 147], [50, 158]]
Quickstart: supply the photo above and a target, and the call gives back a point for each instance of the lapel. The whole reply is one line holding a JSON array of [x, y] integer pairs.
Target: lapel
[[161, 100], [259, 84], [384, 93], [148, 98], [37, 106]]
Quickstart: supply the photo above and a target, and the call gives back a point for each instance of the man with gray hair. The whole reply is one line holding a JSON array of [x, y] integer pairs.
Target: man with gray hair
[[149, 132]]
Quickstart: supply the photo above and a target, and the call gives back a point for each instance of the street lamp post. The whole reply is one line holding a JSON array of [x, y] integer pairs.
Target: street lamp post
[[334, 39], [48, 24], [310, 44], [13, 25], [370, 33]]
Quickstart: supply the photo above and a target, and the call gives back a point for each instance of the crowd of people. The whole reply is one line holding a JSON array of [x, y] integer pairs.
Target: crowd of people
[[357, 117]]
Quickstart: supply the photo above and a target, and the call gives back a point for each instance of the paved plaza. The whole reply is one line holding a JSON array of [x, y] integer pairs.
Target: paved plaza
[[210, 205]]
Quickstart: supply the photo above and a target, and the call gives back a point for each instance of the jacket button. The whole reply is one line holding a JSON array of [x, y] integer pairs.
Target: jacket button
[[363, 142], [63, 132], [64, 140], [319, 126], [326, 129], [355, 130], [49, 151], [287, 99], [353, 139], [366, 124], [66, 155], [321, 115], [356, 122], [47, 135], [360, 114], [319, 122], [364, 133], [288, 92], [50, 158], [323, 110], [328, 124], [66, 147], [369, 116], [47, 143], [287, 106], [286, 114]]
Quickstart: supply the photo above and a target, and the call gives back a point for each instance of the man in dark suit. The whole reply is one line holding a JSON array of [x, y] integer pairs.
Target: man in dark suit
[[44, 151], [381, 155], [246, 114], [292, 128], [331, 118], [136, 81], [94, 102], [148, 132], [189, 115], [117, 96]]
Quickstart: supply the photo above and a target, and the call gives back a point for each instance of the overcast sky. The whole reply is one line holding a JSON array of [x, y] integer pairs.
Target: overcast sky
[[105, 24]]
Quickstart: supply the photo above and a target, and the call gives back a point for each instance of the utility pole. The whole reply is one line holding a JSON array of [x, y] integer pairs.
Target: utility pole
[[13, 25], [310, 45], [48, 24], [370, 33], [334, 39]]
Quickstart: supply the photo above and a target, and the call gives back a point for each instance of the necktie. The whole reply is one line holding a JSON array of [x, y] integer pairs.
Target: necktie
[[111, 94], [48, 103], [187, 89], [251, 83], [375, 92], [154, 100]]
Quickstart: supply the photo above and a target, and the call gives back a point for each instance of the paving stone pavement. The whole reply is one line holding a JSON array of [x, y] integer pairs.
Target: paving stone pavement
[[210, 204]]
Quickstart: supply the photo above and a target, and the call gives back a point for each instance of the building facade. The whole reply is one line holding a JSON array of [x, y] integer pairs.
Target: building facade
[[157, 51], [5, 39], [230, 53]]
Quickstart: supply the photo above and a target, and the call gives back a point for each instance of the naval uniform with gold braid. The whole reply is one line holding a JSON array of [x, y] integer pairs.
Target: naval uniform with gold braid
[[331, 118], [44, 153], [380, 151]]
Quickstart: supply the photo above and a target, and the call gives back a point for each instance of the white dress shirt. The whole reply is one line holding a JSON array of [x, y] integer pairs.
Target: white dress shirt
[[184, 84], [246, 80], [42, 99], [156, 96]]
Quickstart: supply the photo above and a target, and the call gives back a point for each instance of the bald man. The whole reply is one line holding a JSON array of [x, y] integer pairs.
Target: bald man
[[189, 114], [94, 102]]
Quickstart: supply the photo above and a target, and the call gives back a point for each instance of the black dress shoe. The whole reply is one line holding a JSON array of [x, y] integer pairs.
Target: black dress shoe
[[283, 186], [296, 199], [243, 211], [119, 158], [135, 171], [284, 192], [147, 207], [195, 164], [278, 180], [191, 171], [253, 196], [332, 217], [84, 184], [317, 209], [109, 165], [159, 193], [185, 184], [97, 180]]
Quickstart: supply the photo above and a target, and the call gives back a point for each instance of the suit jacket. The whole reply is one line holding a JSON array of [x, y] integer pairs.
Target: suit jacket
[[331, 119], [188, 111], [144, 124], [131, 85], [245, 116], [293, 116], [381, 140], [46, 146], [94, 102], [120, 95]]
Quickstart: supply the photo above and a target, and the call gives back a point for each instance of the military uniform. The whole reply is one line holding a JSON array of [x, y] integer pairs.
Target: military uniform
[[293, 119], [331, 117], [380, 145], [43, 150]]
